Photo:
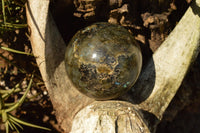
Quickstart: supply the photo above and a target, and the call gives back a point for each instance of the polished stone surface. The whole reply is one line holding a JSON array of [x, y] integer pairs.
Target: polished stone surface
[[103, 60]]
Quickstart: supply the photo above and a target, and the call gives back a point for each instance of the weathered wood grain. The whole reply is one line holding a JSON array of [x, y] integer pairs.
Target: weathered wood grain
[[164, 74], [49, 49], [156, 86]]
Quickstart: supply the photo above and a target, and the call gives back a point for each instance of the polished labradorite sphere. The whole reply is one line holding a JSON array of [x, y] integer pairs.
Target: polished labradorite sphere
[[103, 60]]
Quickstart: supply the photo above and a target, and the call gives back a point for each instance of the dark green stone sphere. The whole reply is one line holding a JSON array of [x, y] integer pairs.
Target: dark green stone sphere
[[103, 60]]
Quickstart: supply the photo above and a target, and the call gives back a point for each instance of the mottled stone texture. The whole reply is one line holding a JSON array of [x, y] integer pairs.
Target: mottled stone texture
[[103, 60]]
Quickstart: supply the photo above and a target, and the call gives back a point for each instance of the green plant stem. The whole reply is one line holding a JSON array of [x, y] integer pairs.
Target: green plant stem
[[14, 127], [7, 127], [22, 98], [10, 92], [4, 116], [10, 124], [15, 51], [21, 70], [3, 10], [1, 102], [7, 93], [14, 122], [8, 104], [13, 26], [7, 3], [27, 124]]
